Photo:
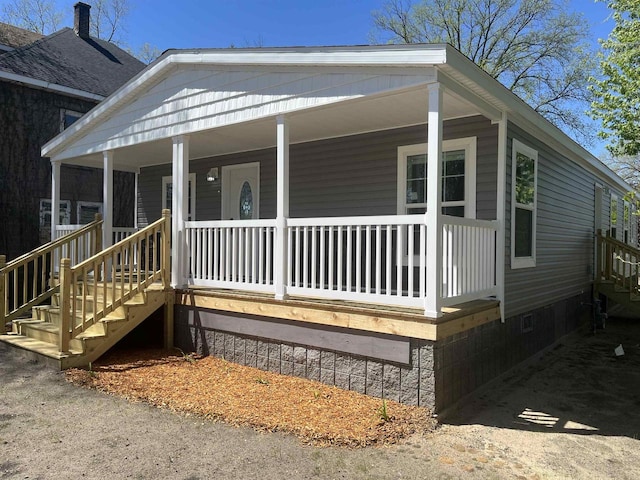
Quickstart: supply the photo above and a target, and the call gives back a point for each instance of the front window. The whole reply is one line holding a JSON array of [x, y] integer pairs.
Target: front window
[[523, 206], [626, 219], [458, 179], [167, 195], [614, 216]]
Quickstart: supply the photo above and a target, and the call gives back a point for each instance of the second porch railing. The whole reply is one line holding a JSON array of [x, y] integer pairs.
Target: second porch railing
[[379, 259]]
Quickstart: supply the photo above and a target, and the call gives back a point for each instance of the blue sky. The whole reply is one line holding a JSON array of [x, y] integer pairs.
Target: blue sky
[[200, 23]]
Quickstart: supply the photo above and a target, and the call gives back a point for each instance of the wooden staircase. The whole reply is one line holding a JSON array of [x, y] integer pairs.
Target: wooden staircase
[[618, 273], [87, 308]]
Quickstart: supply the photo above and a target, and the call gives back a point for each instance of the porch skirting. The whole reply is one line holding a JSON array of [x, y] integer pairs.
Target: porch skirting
[[434, 374]]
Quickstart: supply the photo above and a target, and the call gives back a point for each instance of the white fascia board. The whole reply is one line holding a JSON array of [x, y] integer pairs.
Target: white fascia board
[[527, 118], [385, 55], [53, 87]]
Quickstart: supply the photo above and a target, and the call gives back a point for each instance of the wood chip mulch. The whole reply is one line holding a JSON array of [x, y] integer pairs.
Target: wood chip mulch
[[217, 389]]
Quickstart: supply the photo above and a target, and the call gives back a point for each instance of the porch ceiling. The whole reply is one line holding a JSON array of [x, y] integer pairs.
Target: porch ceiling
[[379, 112]]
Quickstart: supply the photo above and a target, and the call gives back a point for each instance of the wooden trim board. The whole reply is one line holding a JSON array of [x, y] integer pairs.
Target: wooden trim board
[[402, 322]]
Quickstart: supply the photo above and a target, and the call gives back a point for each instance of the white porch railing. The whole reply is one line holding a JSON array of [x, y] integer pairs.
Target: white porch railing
[[83, 249], [358, 258], [378, 259], [236, 254], [468, 259]]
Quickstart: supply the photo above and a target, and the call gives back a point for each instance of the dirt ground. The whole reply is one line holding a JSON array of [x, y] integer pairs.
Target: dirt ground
[[572, 414]]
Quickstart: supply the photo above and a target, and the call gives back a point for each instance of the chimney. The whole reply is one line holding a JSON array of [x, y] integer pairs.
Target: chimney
[[81, 20]]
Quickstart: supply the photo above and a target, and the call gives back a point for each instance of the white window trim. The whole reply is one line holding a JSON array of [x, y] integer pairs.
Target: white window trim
[[192, 180], [612, 199], [626, 222], [64, 204], [87, 204], [523, 262], [468, 144]]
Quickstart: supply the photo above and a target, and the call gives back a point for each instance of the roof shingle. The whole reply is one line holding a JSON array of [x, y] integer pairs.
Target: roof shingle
[[15, 37], [63, 58]]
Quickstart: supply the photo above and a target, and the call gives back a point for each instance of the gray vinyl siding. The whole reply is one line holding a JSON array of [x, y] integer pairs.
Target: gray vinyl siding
[[352, 175], [565, 231]]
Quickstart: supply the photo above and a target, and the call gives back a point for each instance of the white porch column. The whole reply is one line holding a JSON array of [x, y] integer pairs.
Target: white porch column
[[179, 210], [433, 216], [55, 197], [107, 200], [135, 198], [282, 206]]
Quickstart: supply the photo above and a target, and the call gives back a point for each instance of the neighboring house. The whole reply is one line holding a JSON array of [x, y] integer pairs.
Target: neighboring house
[[312, 234], [46, 83]]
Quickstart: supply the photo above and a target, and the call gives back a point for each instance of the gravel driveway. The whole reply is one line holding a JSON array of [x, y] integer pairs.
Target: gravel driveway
[[573, 414]]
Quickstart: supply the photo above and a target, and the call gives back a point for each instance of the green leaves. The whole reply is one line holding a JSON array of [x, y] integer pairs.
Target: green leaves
[[617, 94]]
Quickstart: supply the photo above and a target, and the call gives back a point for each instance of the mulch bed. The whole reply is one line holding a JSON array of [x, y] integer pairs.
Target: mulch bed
[[217, 389]]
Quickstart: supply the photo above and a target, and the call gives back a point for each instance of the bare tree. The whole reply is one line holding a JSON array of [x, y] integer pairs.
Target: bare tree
[[536, 48], [39, 16], [108, 19], [147, 53]]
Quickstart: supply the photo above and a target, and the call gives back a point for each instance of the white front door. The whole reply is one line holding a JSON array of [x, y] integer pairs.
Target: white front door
[[241, 191]]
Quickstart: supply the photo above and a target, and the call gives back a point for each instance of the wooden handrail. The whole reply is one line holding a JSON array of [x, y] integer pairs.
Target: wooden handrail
[[47, 247], [30, 274], [617, 262], [139, 260]]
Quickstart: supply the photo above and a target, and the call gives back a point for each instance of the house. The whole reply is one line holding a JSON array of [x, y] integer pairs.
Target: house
[[46, 83], [310, 234]]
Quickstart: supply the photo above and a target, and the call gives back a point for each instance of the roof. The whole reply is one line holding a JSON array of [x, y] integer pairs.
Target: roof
[[425, 62], [62, 58], [16, 37]]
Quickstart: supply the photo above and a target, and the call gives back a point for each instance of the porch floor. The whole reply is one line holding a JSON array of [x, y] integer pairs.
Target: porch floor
[[393, 320]]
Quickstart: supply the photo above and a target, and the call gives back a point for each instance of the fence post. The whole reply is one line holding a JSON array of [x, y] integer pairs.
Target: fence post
[[3, 290], [97, 240], [65, 304], [166, 248]]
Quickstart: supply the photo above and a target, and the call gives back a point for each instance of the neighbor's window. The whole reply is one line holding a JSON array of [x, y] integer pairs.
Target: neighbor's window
[[523, 205], [458, 178], [167, 195], [45, 212], [87, 212], [68, 118]]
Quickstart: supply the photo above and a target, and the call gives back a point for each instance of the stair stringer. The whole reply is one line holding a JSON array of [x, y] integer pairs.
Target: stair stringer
[[103, 335]]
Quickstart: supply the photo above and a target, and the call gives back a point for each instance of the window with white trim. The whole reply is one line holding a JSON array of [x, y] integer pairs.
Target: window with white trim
[[167, 192], [86, 212], [524, 192], [626, 222], [613, 216], [45, 212], [458, 178]]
